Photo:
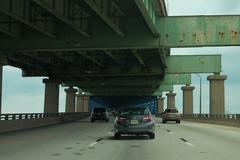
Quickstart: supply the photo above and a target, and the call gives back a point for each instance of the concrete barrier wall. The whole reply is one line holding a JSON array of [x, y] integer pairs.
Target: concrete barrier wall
[[225, 122], [21, 124]]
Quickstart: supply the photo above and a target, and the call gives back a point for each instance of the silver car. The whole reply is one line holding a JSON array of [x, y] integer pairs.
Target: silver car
[[134, 121], [171, 114]]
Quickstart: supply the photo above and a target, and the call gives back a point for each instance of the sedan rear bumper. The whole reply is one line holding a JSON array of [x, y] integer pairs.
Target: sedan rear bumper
[[134, 129]]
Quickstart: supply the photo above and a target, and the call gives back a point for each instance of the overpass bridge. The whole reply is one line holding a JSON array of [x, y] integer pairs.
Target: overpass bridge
[[108, 48], [111, 48]]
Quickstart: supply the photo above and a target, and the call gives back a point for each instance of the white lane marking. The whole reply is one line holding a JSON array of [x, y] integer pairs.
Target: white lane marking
[[92, 144], [110, 132], [190, 144]]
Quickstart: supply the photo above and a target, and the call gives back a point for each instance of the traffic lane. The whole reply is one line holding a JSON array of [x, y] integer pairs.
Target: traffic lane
[[85, 140], [164, 146], [61, 141], [211, 141]]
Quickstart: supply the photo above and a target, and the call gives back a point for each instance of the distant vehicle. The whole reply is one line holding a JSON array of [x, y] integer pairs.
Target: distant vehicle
[[99, 114], [134, 121], [171, 114]]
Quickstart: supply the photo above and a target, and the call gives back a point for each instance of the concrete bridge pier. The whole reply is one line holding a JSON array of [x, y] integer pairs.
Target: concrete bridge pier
[[70, 99], [160, 104], [80, 104], [171, 99], [1, 77], [217, 96], [85, 104], [187, 99], [51, 99]]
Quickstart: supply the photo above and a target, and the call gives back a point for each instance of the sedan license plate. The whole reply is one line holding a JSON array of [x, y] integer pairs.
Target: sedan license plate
[[134, 122]]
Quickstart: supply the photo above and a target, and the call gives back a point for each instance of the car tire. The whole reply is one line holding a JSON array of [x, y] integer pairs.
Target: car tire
[[163, 121], [117, 135], [178, 121], [106, 120], [92, 120], [152, 135]]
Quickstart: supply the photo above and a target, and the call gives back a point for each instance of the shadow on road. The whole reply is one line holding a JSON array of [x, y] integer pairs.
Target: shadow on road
[[127, 137]]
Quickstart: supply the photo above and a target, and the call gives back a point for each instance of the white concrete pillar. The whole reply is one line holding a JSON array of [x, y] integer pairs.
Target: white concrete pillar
[[217, 96], [80, 104], [51, 99], [70, 100], [1, 77], [187, 99], [160, 104], [85, 104], [171, 99]]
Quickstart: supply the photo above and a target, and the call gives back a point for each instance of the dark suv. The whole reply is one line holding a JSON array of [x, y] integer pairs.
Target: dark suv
[[99, 114]]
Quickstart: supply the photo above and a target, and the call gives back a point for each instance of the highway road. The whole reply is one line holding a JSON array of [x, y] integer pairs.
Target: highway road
[[94, 141]]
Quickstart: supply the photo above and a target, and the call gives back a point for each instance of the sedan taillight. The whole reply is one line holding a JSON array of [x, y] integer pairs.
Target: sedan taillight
[[147, 118], [121, 120]]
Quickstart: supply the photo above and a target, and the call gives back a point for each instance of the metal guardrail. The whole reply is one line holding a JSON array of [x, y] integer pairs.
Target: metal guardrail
[[212, 116], [7, 117]]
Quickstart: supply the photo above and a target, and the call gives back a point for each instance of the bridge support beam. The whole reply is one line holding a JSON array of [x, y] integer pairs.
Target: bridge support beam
[[51, 99], [160, 105], [70, 99], [171, 99], [188, 99], [217, 96], [85, 104], [80, 104]]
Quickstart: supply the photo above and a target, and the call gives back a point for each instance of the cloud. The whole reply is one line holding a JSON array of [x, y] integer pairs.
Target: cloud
[[203, 7], [24, 95]]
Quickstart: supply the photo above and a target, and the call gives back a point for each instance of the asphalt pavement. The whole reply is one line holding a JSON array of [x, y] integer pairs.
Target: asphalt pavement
[[83, 140]]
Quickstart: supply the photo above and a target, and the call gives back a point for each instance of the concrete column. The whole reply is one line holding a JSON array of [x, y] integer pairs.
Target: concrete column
[[160, 105], [1, 70], [70, 99], [51, 99], [188, 99], [85, 104], [217, 97], [80, 104], [171, 99]]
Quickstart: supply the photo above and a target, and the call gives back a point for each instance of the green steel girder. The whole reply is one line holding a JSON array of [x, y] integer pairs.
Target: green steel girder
[[132, 90], [163, 52], [113, 57], [139, 58], [60, 17], [192, 31], [130, 93], [147, 9], [40, 59], [90, 58], [169, 79], [24, 62], [193, 64], [92, 4], [11, 34], [196, 31], [161, 7], [26, 22]]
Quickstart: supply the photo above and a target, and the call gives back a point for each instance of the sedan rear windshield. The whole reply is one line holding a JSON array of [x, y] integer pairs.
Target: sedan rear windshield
[[99, 110], [171, 111], [134, 111]]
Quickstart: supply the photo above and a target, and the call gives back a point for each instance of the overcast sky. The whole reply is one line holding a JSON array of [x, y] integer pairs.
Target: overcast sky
[[230, 55], [27, 94]]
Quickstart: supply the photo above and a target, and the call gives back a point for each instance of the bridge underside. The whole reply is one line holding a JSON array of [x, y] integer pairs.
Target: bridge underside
[[95, 44]]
